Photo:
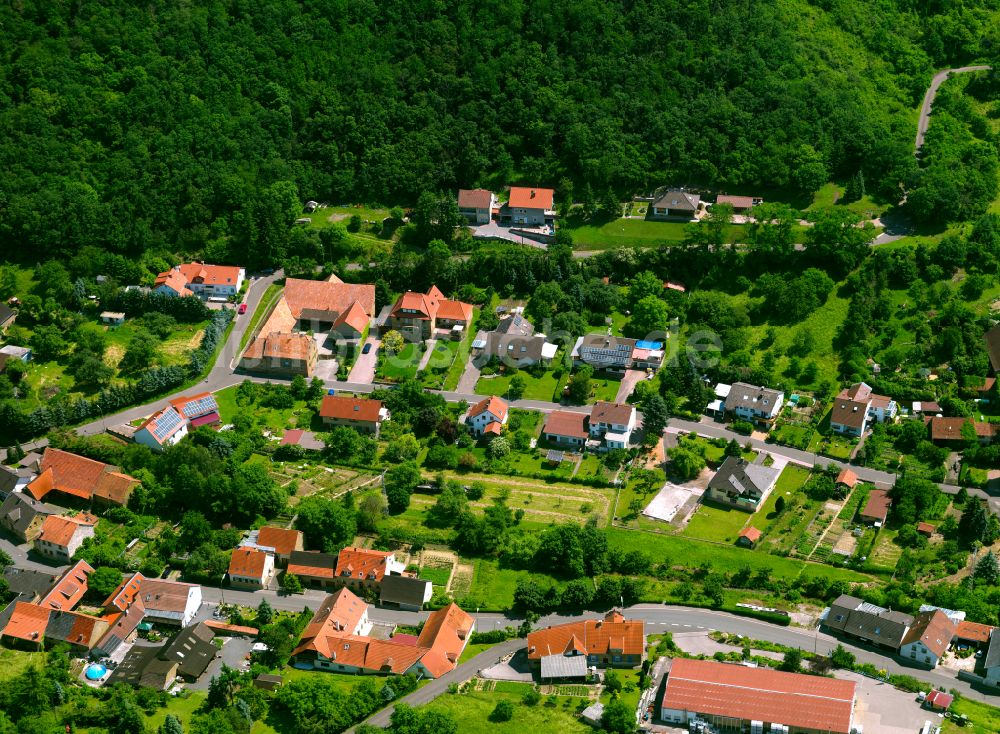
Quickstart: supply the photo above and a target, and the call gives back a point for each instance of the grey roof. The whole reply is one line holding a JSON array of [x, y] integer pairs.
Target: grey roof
[[19, 510], [142, 666], [752, 397], [403, 590], [513, 346], [992, 658], [748, 480], [312, 559], [554, 455], [564, 666], [192, 649], [859, 618], [6, 312], [9, 477], [604, 348], [27, 584], [515, 325], [677, 199], [593, 713], [992, 339]]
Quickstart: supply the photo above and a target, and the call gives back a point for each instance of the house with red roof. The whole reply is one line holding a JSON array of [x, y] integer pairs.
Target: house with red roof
[[364, 415], [313, 568], [566, 427], [487, 416], [280, 542], [529, 206], [423, 315], [609, 642], [876, 509], [477, 205], [748, 537], [200, 279], [71, 587], [250, 568], [734, 696], [62, 535], [198, 410], [928, 638], [365, 568], [162, 429], [63, 474]]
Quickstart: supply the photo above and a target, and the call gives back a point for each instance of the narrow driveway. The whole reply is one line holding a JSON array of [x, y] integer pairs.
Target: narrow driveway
[[628, 383], [925, 109], [363, 370], [467, 382]]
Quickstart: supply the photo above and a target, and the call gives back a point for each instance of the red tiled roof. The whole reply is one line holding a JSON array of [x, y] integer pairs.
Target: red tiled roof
[[174, 281], [598, 635], [926, 528], [297, 346], [493, 427], [474, 198], [27, 622], [738, 202], [493, 404], [248, 563], [524, 197], [291, 436], [205, 420], [355, 317], [566, 423], [210, 274], [81, 477], [445, 633], [950, 429], [877, 507], [750, 533], [59, 530], [454, 310], [282, 540], [339, 614], [180, 404], [933, 629], [847, 477], [939, 700], [605, 412], [757, 694], [236, 629], [163, 424], [355, 409], [327, 296], [126, 594], [361, 563], [424, 306], [973, 631], [69, 589]]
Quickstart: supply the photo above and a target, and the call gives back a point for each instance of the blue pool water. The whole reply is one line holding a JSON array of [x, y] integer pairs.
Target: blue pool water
[[95, 671]]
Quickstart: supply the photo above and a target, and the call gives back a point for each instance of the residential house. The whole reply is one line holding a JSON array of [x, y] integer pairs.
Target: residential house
[[161, 430], [973, 634], [991, 660], [62, 474], [12, 351], [142, 668], [945, 431], [740, 484], [566, 428], [22, 515], [7, 317], [609, 642], [613, 423], [281, 542], [198, 410], [740, 204], [857, 406], [926, 407], [425, 315], [169, 602], [992, 339], [530, 206], [758, 405], [405, 592], [489, 415], [876, 508], [748, 537], [362, 414], [313, 568], [281, 353], [927, 640], [604, 352], [61, 536], [112, 318], [203, 280], [68, 589], [365, 568], [27, 585], [857, 618], [938, 700], [476, 205], [846, 479], [186, 655], [514, 343], [32, 626], [13, 479], [676, 204], [733, 697], [250, 568]]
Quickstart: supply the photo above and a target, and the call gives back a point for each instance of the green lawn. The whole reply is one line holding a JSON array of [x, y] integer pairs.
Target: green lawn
[[15, 662], [436, 575], [300, 415], [471, 711], [269, 298], [604, 388], [439, 364], [400, 366], [537, 388], [984, 718], [183, 707], [721, 524], [631, 698], [493, 587]]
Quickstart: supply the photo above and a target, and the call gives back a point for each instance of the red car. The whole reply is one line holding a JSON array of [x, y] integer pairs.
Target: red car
[[242, 309]]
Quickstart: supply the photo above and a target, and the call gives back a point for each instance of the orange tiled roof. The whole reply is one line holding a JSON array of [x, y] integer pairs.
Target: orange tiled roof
[[361, 563], [566, 423], [950, 429], [291, 345], [933, 629], [283, 541], [126, 593], [355, 409], [598, 635], [454, 310], [524, 197], [248, 563], [474, 198], [847, 477], [751, 533], [355, 317], [445, 633], [59, 530], [210, 274], [174, 281], [81, 477], [69, 589], [493, 404], [423, 305], [973, 631], [27, 622], [326, 296], [338, 615]]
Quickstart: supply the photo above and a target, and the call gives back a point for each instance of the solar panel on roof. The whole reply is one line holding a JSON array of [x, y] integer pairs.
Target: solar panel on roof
[[166, 424], [201, 406]]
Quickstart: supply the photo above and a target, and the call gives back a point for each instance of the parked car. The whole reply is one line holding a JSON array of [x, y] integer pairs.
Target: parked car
[[366, 348], [242, 309]]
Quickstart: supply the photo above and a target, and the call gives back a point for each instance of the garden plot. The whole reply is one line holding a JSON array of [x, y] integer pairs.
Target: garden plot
[[546, 502], [437, 567], [316, 479]]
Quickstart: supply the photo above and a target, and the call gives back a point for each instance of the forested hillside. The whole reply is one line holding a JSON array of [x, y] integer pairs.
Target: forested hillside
[[133, 126]]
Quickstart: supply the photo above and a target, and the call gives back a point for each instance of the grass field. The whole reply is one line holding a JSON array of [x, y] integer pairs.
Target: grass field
[[721, 524], [299, 415], [15, 662], [984, 719], [471, 712], [402, 365], [545, 387], [493, 587]]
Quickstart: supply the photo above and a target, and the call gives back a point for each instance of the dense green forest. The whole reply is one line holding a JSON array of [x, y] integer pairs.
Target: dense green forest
[[201, 126]]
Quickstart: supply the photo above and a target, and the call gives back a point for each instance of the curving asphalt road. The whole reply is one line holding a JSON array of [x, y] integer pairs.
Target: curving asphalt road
[[925, 109]]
